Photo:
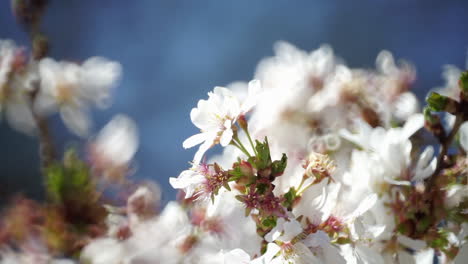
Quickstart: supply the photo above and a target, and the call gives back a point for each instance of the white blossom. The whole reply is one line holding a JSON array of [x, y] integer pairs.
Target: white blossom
[[117, 142], [216, 117], [72, 89]]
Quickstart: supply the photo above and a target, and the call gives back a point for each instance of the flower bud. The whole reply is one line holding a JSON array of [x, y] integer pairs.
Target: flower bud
[[242, 122], [247, 173]]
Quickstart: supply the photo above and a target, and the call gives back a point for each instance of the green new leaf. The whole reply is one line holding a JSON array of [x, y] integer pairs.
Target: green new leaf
[[263, 158], [441, 241], [278, 166], [437, 102], [429, 117], [55, 182], [463, 82], [289, 198], [69, 180], [236, 173], [343, 240], [269, 222]]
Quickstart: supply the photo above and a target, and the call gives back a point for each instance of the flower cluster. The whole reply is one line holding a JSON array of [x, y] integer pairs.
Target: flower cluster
[[321, 163], [31, 88], [332, 168]]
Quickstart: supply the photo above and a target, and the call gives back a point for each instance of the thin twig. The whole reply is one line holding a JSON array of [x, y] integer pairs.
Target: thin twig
[[46, 145], [445, 145]]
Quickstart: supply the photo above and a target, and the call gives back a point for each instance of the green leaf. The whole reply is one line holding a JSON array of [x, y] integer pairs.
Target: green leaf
[[423, 224], [278, 166], [269, 222], [226, 185], [55, 182], [70, 180], [463, 81], [289, 198], [428, 116], [261, 188], [441, 241], [437, 102], [263, 158], [343, 240], [236, 173], [240, 198]]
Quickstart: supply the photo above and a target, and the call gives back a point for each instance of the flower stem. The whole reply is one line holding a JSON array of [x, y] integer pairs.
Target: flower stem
[[241, 147], [251, 142], [300, 191], [46, 145], [302, 183]]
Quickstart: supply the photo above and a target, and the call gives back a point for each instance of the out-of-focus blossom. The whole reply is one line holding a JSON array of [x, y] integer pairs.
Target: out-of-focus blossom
[[235, 256], [155, 240], [114, 147], [16, 82], [142, 203], [7, 53], [451, 75], [72, 89]]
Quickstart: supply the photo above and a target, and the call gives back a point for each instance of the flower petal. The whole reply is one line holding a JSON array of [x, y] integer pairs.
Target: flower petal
[[76, 120], [194, 140]]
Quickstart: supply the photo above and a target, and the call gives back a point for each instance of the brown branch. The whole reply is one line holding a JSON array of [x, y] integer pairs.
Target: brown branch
[[46, 146], [445, 145]]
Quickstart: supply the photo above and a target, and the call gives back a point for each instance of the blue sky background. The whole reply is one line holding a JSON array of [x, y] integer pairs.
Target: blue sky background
[[174, 52]]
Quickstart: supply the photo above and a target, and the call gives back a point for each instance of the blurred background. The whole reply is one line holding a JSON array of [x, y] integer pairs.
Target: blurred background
[[174, 52]]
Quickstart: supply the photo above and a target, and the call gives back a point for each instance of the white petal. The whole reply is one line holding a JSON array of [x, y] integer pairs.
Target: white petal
[[226, 137], [236, 256], [200, 117], [405, 106], [76, 120], [272, 250], [98, 76], [188, 180], [332, 255], [201, 151], [20, 117], [365, 205], [194, 140], [291, 229], [317, 239], [255, 88], [462, 256], [424, 256], [118, 140], [45, 104], [423, 170], [414, 244], [464, 136], [395, 182], [385, 62], [412, 125]]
